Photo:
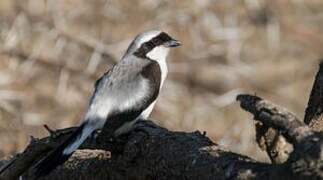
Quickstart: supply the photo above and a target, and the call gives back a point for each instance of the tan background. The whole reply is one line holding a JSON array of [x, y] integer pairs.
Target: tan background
[[51, 54]]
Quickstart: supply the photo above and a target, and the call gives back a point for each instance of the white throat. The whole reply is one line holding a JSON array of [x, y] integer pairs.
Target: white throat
[[159, 55]]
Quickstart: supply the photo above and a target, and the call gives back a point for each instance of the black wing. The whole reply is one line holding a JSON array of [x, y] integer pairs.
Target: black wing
[[152, 72]]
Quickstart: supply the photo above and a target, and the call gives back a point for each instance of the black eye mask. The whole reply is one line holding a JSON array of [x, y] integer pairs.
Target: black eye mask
[[149, 45]]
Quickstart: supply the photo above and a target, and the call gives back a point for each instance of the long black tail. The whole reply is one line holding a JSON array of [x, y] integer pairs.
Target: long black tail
[[59, 155]]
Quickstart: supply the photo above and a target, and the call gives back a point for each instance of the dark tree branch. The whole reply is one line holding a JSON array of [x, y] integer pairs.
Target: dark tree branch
[[149, 152], [306, 160], [313, 114], [153, 152], [36, 149]]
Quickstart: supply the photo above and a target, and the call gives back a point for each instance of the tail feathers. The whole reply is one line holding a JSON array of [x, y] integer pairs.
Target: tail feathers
[[59, 155]]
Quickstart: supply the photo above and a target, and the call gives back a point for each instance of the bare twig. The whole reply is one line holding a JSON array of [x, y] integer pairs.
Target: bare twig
[[90, 43], [49, 130], [45, 61]]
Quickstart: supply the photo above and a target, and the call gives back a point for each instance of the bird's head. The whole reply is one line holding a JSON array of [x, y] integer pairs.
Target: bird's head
[[153, 44]]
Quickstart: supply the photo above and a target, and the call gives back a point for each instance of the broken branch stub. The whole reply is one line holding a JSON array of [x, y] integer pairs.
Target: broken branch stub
[[274, 116], [313, 113]]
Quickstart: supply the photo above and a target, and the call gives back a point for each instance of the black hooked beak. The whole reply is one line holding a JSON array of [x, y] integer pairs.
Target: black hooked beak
[[172, 43]]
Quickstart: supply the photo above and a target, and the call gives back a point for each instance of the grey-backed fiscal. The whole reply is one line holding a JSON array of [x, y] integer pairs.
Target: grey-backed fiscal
[[125, 93]]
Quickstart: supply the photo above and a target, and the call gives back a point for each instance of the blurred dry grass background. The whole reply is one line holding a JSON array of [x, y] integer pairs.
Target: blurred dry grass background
[[52, 51]]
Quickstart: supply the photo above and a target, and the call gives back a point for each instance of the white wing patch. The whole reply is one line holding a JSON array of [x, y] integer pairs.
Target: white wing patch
[[120, 99]]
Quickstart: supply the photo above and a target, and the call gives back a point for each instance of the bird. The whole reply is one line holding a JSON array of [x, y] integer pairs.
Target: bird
[[124, 94]]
